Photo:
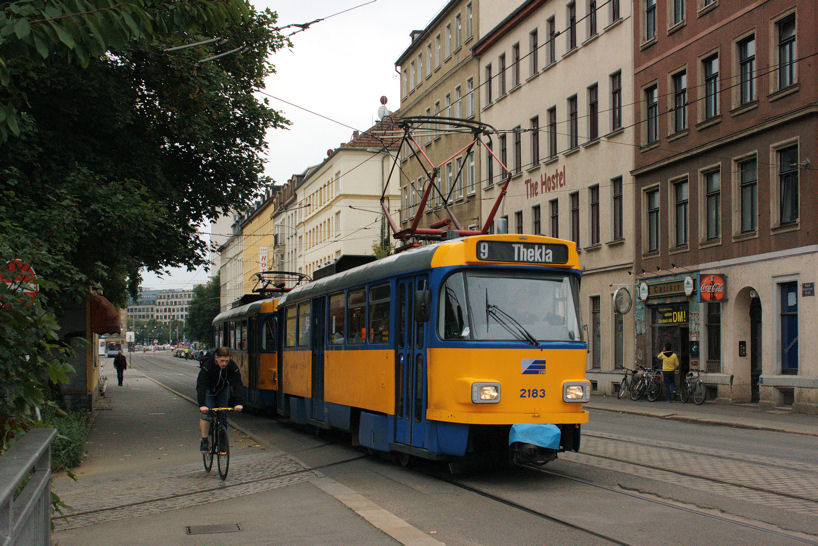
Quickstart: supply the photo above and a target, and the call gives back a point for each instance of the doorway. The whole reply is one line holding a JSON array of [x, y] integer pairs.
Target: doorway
[[755, 347]]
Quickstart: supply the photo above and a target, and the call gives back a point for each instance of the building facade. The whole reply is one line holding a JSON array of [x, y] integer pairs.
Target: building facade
[[162, 305], [231, 272], [553, 78], [258, 234], [727, 250], [439, 77]]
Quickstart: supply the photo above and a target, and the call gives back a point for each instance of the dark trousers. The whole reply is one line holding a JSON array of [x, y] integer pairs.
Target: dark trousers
[[670, 384], [119, 375]]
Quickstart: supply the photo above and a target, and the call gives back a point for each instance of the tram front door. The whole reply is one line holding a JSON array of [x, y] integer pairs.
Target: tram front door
[[410, 366]]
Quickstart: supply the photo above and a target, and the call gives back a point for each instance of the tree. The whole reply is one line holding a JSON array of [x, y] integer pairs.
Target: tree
[[203, 308]]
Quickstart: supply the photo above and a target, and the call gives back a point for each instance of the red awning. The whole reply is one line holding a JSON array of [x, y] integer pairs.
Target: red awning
[[104, 316]]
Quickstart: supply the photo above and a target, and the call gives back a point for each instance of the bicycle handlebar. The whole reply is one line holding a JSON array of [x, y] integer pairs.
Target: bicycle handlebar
[[221, 409]]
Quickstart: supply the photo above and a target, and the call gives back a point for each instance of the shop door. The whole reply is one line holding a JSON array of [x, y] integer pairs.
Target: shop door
[[318, 321], [755, 347], [410, 367]]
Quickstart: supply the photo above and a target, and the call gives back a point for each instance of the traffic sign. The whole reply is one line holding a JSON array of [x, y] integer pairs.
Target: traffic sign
[[20, 277]]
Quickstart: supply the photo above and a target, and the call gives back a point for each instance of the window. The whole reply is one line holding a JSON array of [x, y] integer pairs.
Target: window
[[470, 97], [680, 191], [535, 140], [437, 114], [518, 221], [447, 111], [788, 185], [650, 20], [468, 20], [449, 182], [592, 18], [405, 82], [572, 26], [448, 51], [653, 220], [616, 101], [304, 324], [420, 68], [596, 334], [713, 337], [552, 132], [458, 178], [501, 75], [470, 173], [458, 98], [515, 65], [554, 205], [337, 316], [488, 84], [593, 198], [786, 51], [356, 303], [614, 10], [552, 40], [573, 136], [428, 60], [680, 101], [536, 223], [652, 114], [711, 86], [429, 128], [412, 76], [789, 328], [575, 217], [616, 184], [712, 187], [518, 150], [291, 327], [489, 164], [503, 151], [747, 68], [677, 14], [748, 199], [533, 52], [593, 112], [379, 298], [458, 27], [437, 51]]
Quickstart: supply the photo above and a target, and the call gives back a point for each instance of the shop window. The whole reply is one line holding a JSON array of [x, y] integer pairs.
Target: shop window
[[596, 335], [789, 328], [713, 337]]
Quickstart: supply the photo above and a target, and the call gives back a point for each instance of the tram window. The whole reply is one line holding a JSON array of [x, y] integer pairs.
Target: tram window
[[243, 336], [357, 316], [337, 318], [232, 335], [268, 336], [401, 316], [304, 324], [291, 326], [379, 297], [453, 322]]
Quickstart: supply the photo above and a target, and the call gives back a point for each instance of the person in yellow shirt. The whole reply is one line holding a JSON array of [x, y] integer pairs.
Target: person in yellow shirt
[[670, 362]]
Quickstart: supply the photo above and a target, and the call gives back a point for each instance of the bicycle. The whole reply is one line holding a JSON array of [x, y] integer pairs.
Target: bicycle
[[626, 384], [639, 383], [654, 386], [219, 443], [693, 387]]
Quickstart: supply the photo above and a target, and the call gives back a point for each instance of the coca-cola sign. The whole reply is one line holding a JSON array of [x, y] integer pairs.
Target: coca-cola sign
[[712, 288]]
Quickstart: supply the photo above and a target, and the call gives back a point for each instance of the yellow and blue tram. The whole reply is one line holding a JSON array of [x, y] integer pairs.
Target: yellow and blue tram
[[467, 346]]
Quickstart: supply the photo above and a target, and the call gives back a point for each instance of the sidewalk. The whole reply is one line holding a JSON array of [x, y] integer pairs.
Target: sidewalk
[[750, 416], [142, 482]]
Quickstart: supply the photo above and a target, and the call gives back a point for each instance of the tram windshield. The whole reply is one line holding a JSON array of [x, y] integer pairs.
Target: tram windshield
[[496, 305]]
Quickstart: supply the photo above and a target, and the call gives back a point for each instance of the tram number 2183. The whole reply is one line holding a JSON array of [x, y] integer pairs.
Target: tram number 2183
[[532, 393]]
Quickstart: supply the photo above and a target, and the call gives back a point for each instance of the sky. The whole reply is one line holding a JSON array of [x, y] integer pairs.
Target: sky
[[339, 68]]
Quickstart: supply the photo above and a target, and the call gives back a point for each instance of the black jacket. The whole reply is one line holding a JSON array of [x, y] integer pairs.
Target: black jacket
[[120, 362], [213, 379]]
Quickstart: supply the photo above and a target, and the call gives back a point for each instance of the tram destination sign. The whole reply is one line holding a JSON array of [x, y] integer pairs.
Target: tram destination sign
[[512, 251]]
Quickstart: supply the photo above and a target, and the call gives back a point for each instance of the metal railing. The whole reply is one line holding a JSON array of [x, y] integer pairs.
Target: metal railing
[[25, 516]]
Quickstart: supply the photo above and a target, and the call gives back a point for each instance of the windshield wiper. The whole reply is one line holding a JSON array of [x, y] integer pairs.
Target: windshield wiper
[[509, 323]]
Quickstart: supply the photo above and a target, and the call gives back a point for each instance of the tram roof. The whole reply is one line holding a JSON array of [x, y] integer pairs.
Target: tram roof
[[255, 307]]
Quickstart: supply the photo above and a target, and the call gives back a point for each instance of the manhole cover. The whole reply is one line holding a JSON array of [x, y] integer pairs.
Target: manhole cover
[[212, 529]]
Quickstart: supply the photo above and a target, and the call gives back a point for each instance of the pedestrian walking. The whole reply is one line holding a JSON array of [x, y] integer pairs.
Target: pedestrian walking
[[120, 363], [670, 362]]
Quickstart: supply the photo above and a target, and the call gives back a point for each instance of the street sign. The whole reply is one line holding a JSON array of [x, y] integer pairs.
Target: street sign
[[21, 278]]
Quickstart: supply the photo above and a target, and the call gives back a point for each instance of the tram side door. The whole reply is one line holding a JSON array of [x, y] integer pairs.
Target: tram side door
[[318, 319], [410, 366], [252, 357]]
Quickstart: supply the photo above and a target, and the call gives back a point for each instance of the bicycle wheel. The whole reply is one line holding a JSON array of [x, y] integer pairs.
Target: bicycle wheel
[[637, 390], [223, 455], [684, 392], [653, 391], [207, 456], [699, 393], [624, 389]]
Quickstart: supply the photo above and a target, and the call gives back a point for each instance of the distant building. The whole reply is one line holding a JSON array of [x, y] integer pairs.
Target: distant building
[[162, 305]]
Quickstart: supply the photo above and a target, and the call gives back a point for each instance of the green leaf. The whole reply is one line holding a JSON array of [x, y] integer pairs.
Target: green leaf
[[22, 28], [12, 123], [41, 46], [63, 35], [2, 113], [131, 24]]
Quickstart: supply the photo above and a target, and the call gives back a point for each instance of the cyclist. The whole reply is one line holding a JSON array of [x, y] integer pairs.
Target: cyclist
[[669, 364], [217, 374]]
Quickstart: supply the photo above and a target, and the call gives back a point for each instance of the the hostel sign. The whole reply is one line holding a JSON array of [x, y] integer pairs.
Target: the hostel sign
[[546, 184]]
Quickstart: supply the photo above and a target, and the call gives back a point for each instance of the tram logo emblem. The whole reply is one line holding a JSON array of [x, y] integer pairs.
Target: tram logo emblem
[[533, 366]]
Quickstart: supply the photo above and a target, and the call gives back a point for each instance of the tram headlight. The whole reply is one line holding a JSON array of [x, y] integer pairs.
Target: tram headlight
[[579, 391], [485, 393]]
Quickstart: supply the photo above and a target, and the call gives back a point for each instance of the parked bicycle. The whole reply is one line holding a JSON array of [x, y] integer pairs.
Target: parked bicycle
[[648, 384], [219, 443], [626, 384], [693, 387]]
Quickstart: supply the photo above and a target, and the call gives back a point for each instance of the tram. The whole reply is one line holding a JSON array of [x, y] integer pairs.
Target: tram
[[463, 347]]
